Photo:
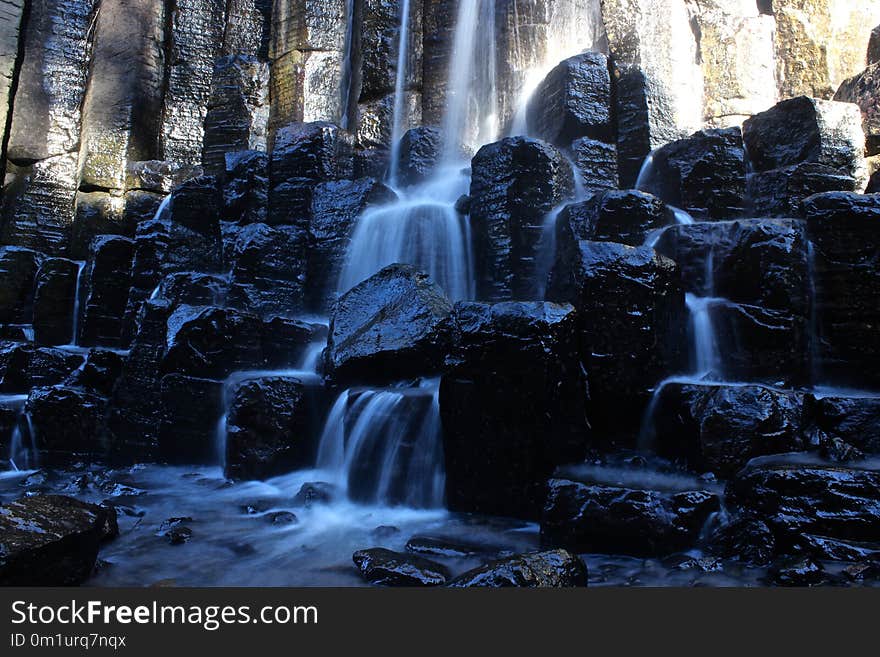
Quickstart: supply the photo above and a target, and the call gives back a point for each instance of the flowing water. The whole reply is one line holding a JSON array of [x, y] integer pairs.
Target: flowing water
[[399, 93], [74, 329]]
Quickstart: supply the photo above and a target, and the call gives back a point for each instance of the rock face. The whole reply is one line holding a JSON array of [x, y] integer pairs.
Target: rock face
[[51, 540], [844, 231], [391, 326], [854, 420], [631, 318], [54, 301], [106, 286], [386, 568], [626, 217], [515, 183], [600, 518], [505, 433], [550, 569], [68, 422], [420, 150], [720, 428], [863, 90]]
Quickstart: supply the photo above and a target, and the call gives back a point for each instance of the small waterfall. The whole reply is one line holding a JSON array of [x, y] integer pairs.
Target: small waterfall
[[346, 80], [74, 336], [399, 93], [813, 328], [547, 250], [646, 174], [458, 88], [23, 454], [383, 446], [706, 357]]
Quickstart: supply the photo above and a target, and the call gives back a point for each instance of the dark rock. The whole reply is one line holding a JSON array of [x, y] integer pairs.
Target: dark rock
[[23, 366], [515, 183], [270, 427], [282, 518], [210, 342], [54, 301], [796, 572], [855, 420], [626, 217], [704, 174], [420, 152], [830, 549], [194, 289], [98, 213], [246, 190], [178, 535], [837, 450], [190, 411], [51, 540], [449, 548], [631, 318], [804, 129], [863, 90], [720, 428], [269, 269], [795, 499], [746, 539], [386, 568], [106, 285], [67, 421], [336, 207], [392, 325], [845, 232], [866, 570], [573, 101], [159, 176], [18, 271], [601, 518], [285, 341], [550, 569], [99, 373], [503, 433], [781, 192], [314, 492], [303, 155], [874, 46], [596, 164]]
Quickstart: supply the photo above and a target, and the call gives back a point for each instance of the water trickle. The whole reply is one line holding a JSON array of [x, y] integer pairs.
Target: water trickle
[[23, 453], [813, 328], [384, 446], [74, 334], [399, 93], [646, 174]]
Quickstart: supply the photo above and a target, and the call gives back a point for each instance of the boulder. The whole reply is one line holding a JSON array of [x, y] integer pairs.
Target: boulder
[[806, 130], [781, 192], [863, 90], [390, 326], [193, 288], [600, 518], [99, 373], [105, 288], [246, 187], [504, 433], [420, 152], [54, 301], [190, 411], [303, 155], [596, 164], [631, 321], [720, 428], [284, 341], [67, 422], [550, 569], [384, 567], [18, 271], [271, 426], [795, 499], [845, 232], [625, 217], [24, 366], [515, 183], [336, 207], [854, 420], [194, 226], [704, 174], [573, 101], [51, 540]]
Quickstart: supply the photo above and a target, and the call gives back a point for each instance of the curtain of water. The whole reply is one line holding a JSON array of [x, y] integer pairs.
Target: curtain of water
[[399, 93]]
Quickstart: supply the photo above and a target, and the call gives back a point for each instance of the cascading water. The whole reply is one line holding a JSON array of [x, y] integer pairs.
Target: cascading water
[[399, 93], [22, 449], [384, 446], [74, 336]]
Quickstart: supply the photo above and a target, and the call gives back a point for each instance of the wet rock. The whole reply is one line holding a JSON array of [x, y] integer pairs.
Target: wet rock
[[796, 572], [315, 492], [854, 420], [746, 539], [601, 518], [844, 231], [802, 130], [866, 570], [631, 318], [193, 288], [107, 279], [285, 341], [268, 269], [237, 112], [99, 373], [626, 217], [159, 176], [335, 209], [720, 428], [210, 342], [863, 90], [190, 410], [194, 229], [387, 568], [781, 192], [178, 535], [503, 434], [596, 164], [282, 518], [830, 549], [9, 36], [515, 183], [51, 540], [271, 427], [171, 523], [420, 152], [573, 101], [303, 155], [18, 270], [54, 301], [99, 213], [23, 366], [392, 325], [704, 174], [449, 548], [246, 188], [550, 569], [67, 421], [797, 499]]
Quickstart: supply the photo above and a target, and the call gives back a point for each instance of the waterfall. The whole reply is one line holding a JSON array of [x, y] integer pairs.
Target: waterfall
[[347, 74], [74, 338], [384, 446], [813, 328], [23, 453], [399, 94]]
